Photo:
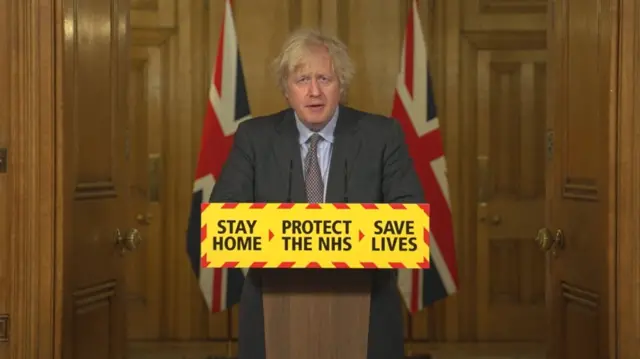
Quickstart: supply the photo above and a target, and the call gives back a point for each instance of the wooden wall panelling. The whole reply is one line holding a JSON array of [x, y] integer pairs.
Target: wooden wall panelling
[[447, 80], [500, 15], [27, 233], [7, 31], [153, 13], [628, 251]]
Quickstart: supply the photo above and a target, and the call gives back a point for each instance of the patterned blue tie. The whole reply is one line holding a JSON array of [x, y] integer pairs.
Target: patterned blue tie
[[313, 178]]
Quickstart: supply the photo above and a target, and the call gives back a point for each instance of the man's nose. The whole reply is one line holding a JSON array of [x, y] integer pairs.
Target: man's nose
[[314, 89]]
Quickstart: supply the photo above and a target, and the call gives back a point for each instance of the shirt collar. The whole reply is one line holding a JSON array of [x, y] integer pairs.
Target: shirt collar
[[326, 132]]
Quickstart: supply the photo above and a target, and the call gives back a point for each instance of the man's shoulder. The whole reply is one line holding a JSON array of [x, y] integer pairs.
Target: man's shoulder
[[260, 124], [372, 122]]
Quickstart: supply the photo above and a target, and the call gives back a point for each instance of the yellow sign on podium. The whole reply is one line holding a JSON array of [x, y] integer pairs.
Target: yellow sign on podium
[[324, 235]]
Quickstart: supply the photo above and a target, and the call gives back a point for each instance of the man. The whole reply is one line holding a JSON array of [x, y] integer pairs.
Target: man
[[306, 154]]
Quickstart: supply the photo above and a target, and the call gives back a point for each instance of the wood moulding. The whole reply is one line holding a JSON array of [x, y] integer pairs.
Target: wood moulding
[[627, 256], [31, 167]]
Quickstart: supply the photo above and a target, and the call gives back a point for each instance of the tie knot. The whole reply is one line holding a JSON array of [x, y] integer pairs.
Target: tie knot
[[314, 139]]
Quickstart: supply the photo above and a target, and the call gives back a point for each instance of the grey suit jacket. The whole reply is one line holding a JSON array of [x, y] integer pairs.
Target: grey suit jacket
[[370, 162]]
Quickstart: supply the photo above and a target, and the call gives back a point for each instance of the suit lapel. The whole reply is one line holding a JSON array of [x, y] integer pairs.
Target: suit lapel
[[345, 150], [287, 155]]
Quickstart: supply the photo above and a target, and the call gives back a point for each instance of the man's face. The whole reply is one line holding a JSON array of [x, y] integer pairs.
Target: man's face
[[313, 89]]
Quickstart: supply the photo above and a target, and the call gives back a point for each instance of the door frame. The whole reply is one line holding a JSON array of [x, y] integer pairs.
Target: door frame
[[34, 318], [627, 272], [34, 166]]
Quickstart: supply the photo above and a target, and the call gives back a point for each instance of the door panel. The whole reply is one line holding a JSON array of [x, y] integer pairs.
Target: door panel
[[144, 281], [508, 74], [494, 111], [94, 176], [581, 180]]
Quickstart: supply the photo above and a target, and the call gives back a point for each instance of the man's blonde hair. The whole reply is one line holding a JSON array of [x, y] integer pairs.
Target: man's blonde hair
[[298, 45]]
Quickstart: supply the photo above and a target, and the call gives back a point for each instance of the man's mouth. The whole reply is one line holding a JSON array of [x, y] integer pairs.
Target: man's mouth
[[315, 106]]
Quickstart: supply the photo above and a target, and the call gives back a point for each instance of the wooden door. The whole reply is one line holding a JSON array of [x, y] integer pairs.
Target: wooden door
[[92, 173], [493, 113], [580, 234], [144, 279], [509, 73]]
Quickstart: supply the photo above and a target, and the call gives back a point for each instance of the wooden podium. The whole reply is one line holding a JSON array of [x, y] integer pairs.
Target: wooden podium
[[316, 313]]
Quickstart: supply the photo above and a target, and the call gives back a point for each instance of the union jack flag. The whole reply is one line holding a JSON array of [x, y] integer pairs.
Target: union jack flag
[[227, 107], [414, 108]]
